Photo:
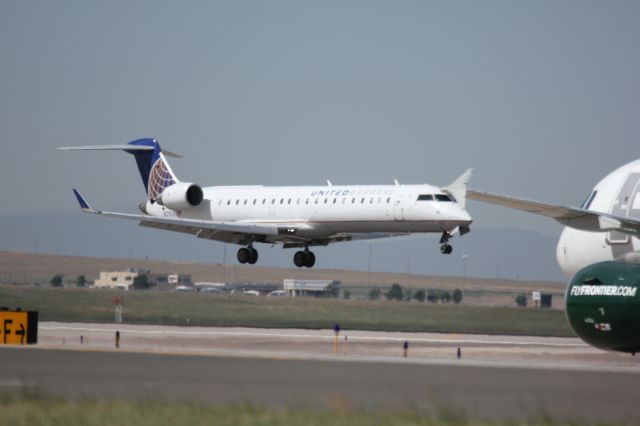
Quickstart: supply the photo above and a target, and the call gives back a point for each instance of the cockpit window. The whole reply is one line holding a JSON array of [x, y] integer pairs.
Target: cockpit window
[[443, 197], [425, 197]]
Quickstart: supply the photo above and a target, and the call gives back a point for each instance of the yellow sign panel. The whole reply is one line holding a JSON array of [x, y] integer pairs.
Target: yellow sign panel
[[18, 327]]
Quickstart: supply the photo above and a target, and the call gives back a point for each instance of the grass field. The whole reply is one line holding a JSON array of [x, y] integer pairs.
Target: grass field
[[170, 308], [36, 410]]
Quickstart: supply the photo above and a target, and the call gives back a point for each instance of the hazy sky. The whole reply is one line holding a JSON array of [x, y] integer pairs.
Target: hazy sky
[[541, 98]]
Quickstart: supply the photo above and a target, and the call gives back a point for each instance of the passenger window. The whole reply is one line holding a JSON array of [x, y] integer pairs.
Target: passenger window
[[281, 200], [228, 202], [273, 201], [245, 201], [307, 201], [371, 200], [334, 200], [353, 200], [362, 201], [264, 200], [254, 201], [325, 200], [289, 202], [237, 202], [388, 200], [316, 201], [298, 201]]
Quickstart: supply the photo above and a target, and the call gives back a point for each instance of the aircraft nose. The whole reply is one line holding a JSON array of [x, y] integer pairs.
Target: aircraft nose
[[463, 216]]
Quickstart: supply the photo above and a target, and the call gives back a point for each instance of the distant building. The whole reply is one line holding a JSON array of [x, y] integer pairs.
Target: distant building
[[170, 281], [212, 287], [546, 300], [123, 280], [541, 300], [317, 288], [118, 279]]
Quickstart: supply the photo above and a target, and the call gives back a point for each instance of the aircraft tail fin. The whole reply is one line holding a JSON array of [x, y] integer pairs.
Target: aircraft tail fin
[[154, 169], [458, 188]]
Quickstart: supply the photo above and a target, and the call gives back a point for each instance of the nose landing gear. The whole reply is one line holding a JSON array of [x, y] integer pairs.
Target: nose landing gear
[[445, 248], [304, 258]]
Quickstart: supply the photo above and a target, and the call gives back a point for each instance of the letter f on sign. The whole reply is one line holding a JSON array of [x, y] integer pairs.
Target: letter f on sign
[[6, 329]]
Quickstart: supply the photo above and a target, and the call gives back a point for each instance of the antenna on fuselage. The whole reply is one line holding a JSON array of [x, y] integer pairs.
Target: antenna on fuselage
[[396, 182], [329, 183]]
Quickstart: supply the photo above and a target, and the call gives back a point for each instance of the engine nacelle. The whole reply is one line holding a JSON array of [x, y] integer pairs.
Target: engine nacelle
[[181, 196], [603, 305]]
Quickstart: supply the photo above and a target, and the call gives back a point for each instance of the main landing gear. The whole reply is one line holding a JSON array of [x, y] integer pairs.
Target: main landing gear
[[304, 258], [248, 255], [445, 248]]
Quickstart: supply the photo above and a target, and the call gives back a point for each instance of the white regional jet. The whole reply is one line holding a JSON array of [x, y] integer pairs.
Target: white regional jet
[[294, 216], [605, 228]]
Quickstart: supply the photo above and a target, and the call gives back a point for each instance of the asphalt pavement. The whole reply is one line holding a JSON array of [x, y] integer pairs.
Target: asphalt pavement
[[490, 391]]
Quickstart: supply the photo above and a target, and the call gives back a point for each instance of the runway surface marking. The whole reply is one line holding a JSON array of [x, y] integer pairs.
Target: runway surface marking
[[369, 359], [351, 337]]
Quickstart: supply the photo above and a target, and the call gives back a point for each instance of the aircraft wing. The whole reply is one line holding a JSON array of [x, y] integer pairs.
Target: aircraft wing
[[586, 220], [233, 232]]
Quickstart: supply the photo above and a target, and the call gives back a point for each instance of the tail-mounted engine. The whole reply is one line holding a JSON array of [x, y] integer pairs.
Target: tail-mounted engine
[[181, 196]]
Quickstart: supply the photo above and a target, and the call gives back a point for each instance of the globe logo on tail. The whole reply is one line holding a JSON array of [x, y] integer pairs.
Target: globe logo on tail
[[160, 179]]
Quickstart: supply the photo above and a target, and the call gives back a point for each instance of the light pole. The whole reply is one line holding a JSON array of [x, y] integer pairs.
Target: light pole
[[369, 263], [464, 265]]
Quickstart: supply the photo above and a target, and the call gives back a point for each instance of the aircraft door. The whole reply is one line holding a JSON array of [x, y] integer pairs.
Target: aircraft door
[[626, 204], [399, 207]]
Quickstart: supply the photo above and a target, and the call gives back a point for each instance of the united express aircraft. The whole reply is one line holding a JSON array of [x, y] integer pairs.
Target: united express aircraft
[[600, 249], [293, 216]]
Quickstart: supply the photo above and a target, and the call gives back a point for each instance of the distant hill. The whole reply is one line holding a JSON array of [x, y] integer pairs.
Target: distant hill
[[491, 253], [27, 267]]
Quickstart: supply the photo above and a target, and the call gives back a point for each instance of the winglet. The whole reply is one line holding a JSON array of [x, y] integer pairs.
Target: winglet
[[458, 188], [83, 203]]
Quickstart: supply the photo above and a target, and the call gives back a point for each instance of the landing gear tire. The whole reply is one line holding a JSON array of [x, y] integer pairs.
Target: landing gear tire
[[248, 255], [254, 256], [244, 254], [304, 258], [299, 259], [311, 259], [446, 249]]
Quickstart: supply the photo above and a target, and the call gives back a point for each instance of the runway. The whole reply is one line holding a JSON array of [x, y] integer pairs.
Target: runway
[[355, 345], [498, 377]]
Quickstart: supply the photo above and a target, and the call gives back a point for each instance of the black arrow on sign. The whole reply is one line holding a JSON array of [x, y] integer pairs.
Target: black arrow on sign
[[21, 333]]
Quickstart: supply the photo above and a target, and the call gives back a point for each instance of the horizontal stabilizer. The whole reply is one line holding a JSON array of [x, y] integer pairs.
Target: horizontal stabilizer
[[107, 148], [126, 147]]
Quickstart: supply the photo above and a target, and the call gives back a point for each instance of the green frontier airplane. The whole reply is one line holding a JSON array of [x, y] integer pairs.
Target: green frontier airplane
[[599, 249]]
